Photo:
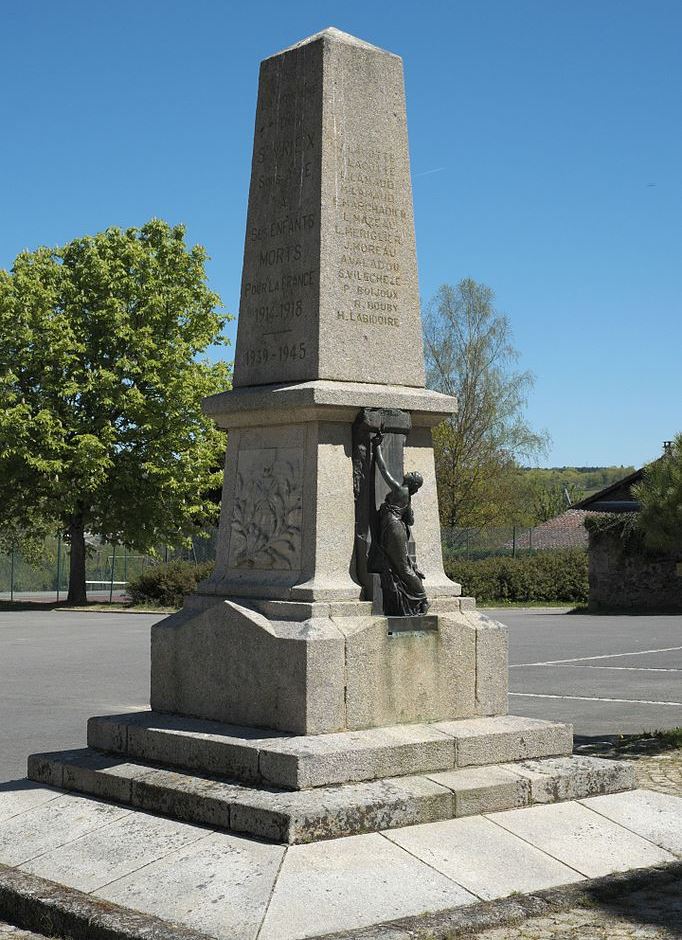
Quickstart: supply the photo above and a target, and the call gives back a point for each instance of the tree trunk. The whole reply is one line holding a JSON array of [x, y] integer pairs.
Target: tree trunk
[[77, 593]]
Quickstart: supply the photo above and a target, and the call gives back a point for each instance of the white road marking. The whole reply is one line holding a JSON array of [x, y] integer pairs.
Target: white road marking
[[591, 698], [623, 668], [585, 659]]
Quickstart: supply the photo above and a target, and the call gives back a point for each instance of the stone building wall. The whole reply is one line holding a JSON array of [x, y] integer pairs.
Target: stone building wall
[[623, 577]]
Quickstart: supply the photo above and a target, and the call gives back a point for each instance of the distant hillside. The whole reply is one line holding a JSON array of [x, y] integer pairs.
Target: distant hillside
[[585, 480]]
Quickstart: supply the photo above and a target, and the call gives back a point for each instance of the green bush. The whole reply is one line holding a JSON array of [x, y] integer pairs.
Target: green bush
[[541, 576], [165, 585]]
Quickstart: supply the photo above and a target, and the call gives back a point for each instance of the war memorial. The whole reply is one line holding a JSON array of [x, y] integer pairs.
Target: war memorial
[[327, 704]]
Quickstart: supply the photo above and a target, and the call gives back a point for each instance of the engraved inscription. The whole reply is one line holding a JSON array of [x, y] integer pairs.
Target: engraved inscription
[[281, 274], [370, 221], [267, 513]]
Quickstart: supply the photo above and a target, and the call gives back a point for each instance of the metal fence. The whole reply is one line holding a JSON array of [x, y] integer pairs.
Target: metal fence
[[110, 567], [44, 574], [514, 540]]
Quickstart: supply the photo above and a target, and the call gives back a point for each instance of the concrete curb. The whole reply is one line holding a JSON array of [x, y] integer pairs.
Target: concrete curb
[[472, 919], [54, 910]]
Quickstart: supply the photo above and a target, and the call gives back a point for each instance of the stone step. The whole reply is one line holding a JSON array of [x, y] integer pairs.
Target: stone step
[[301, 762], [329, 812]]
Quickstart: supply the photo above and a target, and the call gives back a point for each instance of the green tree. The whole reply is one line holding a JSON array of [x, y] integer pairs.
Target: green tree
[[101, 428], [660, 496], [469, 354]]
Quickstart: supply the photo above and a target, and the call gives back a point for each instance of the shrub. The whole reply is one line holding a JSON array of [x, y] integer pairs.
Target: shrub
[[541, 576], [165, 585]]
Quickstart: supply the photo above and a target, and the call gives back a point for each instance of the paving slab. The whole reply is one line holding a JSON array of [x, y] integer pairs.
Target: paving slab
[[581, 838], [53, 824], [351, 883], [486, 859], [220, 885], [227, 886], [654, 816], [93, 861], [20, 796]]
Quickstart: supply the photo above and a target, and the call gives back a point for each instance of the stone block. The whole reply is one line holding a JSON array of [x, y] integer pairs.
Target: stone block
[[492, 656], [219, 886], [328, 759], [309, 815], [350, 884], [484, 789], [231, 664], [418, 455], [52, 824], [102, 775], [108, 733], [47, 768], [21, 796], [206, 753], [324, 108], [506, 738], [571, 778], [408, 677], [98, 859], [185, 797]]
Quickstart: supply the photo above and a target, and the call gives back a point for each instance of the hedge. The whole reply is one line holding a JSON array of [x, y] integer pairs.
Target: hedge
[[165, 585], [542, 576]]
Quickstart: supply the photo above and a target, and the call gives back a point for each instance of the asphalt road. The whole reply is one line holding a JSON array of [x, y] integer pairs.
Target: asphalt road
[[605, 674], [57, 668]]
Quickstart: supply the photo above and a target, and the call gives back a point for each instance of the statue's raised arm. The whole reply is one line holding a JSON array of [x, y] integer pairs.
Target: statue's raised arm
[[381, 464]]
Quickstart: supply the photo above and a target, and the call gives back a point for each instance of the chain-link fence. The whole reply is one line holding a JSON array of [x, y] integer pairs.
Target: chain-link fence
[[109, 567], [515, 540], [43, 575]]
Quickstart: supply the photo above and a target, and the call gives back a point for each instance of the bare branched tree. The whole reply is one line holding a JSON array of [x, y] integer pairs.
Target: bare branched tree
[[470, 354]]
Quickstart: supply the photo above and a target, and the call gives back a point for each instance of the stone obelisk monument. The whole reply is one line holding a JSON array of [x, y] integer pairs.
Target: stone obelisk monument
[[329, 332], [289, 698]]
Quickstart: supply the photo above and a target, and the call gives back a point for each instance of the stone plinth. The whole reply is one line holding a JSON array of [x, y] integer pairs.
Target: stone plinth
[[323, 674]]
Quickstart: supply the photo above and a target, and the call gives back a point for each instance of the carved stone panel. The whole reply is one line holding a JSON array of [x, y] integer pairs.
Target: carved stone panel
[[267, 512]]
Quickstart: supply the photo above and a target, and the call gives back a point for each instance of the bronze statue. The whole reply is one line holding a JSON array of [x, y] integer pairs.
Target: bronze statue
[[401, 579]]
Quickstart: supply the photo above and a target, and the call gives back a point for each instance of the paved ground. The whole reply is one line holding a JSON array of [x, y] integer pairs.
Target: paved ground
[[639, 915], [229, 886], [605, 674], [58, 668]]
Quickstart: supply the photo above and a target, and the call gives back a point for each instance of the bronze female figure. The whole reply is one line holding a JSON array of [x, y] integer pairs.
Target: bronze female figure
[[401, 579]]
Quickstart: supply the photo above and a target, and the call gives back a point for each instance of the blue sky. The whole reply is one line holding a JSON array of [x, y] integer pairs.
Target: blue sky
[[546, 143]]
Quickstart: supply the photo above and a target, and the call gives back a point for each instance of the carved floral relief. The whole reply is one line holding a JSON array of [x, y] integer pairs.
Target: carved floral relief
[[267, 513]]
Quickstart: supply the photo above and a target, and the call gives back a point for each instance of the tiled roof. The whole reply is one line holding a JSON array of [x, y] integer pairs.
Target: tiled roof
[[564, 531]]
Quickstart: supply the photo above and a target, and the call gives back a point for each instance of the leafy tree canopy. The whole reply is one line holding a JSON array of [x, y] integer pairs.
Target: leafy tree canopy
[[660, 496], [101, 382]]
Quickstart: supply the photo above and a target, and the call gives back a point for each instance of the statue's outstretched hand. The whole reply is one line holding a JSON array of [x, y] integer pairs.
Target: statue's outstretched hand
[[377, 439]]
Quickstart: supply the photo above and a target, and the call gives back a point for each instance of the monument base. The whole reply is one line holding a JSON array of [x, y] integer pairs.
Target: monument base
[[341, 669], [299, 789]]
